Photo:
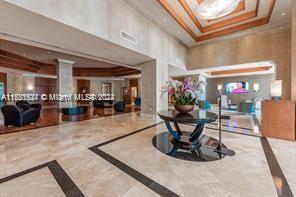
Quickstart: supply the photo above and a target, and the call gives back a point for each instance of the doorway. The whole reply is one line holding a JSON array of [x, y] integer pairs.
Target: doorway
[[133, 90]]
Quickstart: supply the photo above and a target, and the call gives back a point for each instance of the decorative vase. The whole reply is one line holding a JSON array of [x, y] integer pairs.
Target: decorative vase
[[184, 108]]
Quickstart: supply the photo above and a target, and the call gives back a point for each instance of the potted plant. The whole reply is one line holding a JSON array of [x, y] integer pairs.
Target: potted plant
[[184, 94]]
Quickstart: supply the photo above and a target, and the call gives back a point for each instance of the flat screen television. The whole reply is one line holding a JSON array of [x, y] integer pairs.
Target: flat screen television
[[237, 87]]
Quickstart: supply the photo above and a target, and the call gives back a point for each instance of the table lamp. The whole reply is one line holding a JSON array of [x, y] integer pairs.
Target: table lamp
[[256, 87], [276, 89]]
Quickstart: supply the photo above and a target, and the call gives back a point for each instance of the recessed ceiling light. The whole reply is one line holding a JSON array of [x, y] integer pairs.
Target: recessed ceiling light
[[164, 20], [284, 13]]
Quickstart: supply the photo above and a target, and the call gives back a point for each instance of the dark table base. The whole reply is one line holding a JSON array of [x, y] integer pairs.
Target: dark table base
[[201, 152]]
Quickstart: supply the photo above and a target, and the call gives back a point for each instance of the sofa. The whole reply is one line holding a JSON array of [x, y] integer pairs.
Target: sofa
[[14, 115], [25, 105]]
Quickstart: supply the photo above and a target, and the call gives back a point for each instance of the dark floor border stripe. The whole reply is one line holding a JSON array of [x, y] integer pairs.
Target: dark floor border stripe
[[64, 181], [126, 135], [233, 132], [151, 184], [256, 121], [280, 182], [236, 127]]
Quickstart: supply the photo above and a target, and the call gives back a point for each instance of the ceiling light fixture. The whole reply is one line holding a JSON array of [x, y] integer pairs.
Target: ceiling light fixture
[[283, 14], [212, 9]]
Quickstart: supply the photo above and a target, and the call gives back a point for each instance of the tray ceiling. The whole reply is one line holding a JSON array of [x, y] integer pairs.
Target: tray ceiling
[[179, 17]]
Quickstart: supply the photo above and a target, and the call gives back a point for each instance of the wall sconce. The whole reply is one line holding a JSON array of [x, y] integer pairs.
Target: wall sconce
[[276, 89], [30, 87], [256, 87]]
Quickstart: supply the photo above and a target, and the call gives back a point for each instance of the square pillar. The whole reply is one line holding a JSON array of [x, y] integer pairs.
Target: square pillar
[[154, 75], [64, 80]]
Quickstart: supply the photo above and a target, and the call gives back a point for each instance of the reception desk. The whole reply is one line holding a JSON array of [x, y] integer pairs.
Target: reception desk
[[278, 119]]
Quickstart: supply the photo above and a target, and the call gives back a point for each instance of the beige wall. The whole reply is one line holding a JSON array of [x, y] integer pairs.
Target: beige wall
[[104, 19], [263, 81], [154, 74], [272, 45]]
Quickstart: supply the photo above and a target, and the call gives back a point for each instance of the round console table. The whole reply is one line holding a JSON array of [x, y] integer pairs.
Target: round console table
[[186, 140], [74, 110]]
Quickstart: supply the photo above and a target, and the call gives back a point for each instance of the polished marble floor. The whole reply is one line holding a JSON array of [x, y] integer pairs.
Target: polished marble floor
[[114, 156], [51, 115]]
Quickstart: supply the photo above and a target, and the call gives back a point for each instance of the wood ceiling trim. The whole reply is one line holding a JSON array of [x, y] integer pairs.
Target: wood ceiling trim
[[254, 23], [233, 29], [132, 72], [12, 56], [241, 7], [104, 72], [271, 7], [242, 70], [10, 65], [18, 63], [234, 20], [221, 24], [178, 18], [230, 21], [190, 13]]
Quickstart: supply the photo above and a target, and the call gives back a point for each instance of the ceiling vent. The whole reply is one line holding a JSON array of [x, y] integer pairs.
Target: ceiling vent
[[128, 37]]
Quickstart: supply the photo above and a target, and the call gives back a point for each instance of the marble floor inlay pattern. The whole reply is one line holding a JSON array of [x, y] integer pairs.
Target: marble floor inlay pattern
[[48, 179], [129, 165]]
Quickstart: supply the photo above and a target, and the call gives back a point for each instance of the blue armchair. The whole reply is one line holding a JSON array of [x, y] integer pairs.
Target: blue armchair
[[119, 106], [14, 115]]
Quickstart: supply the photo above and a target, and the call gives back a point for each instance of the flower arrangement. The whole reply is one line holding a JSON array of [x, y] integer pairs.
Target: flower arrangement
[[183, 93]]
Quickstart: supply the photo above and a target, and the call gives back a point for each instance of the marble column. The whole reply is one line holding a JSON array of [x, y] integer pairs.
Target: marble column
[[64, 80], [154, 74], [293, 53]]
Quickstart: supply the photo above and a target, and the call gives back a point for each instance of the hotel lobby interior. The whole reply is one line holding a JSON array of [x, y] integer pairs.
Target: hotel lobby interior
[[148, 98]]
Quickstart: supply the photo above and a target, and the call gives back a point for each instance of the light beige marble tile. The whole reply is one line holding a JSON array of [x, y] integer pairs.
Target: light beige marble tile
[[245, 174], [285, 152], [37, 183]]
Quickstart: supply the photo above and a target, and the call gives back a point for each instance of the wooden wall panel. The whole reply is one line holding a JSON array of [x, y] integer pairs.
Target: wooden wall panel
[[278, 119], [46, 86], [83, 87], [3, 78]]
